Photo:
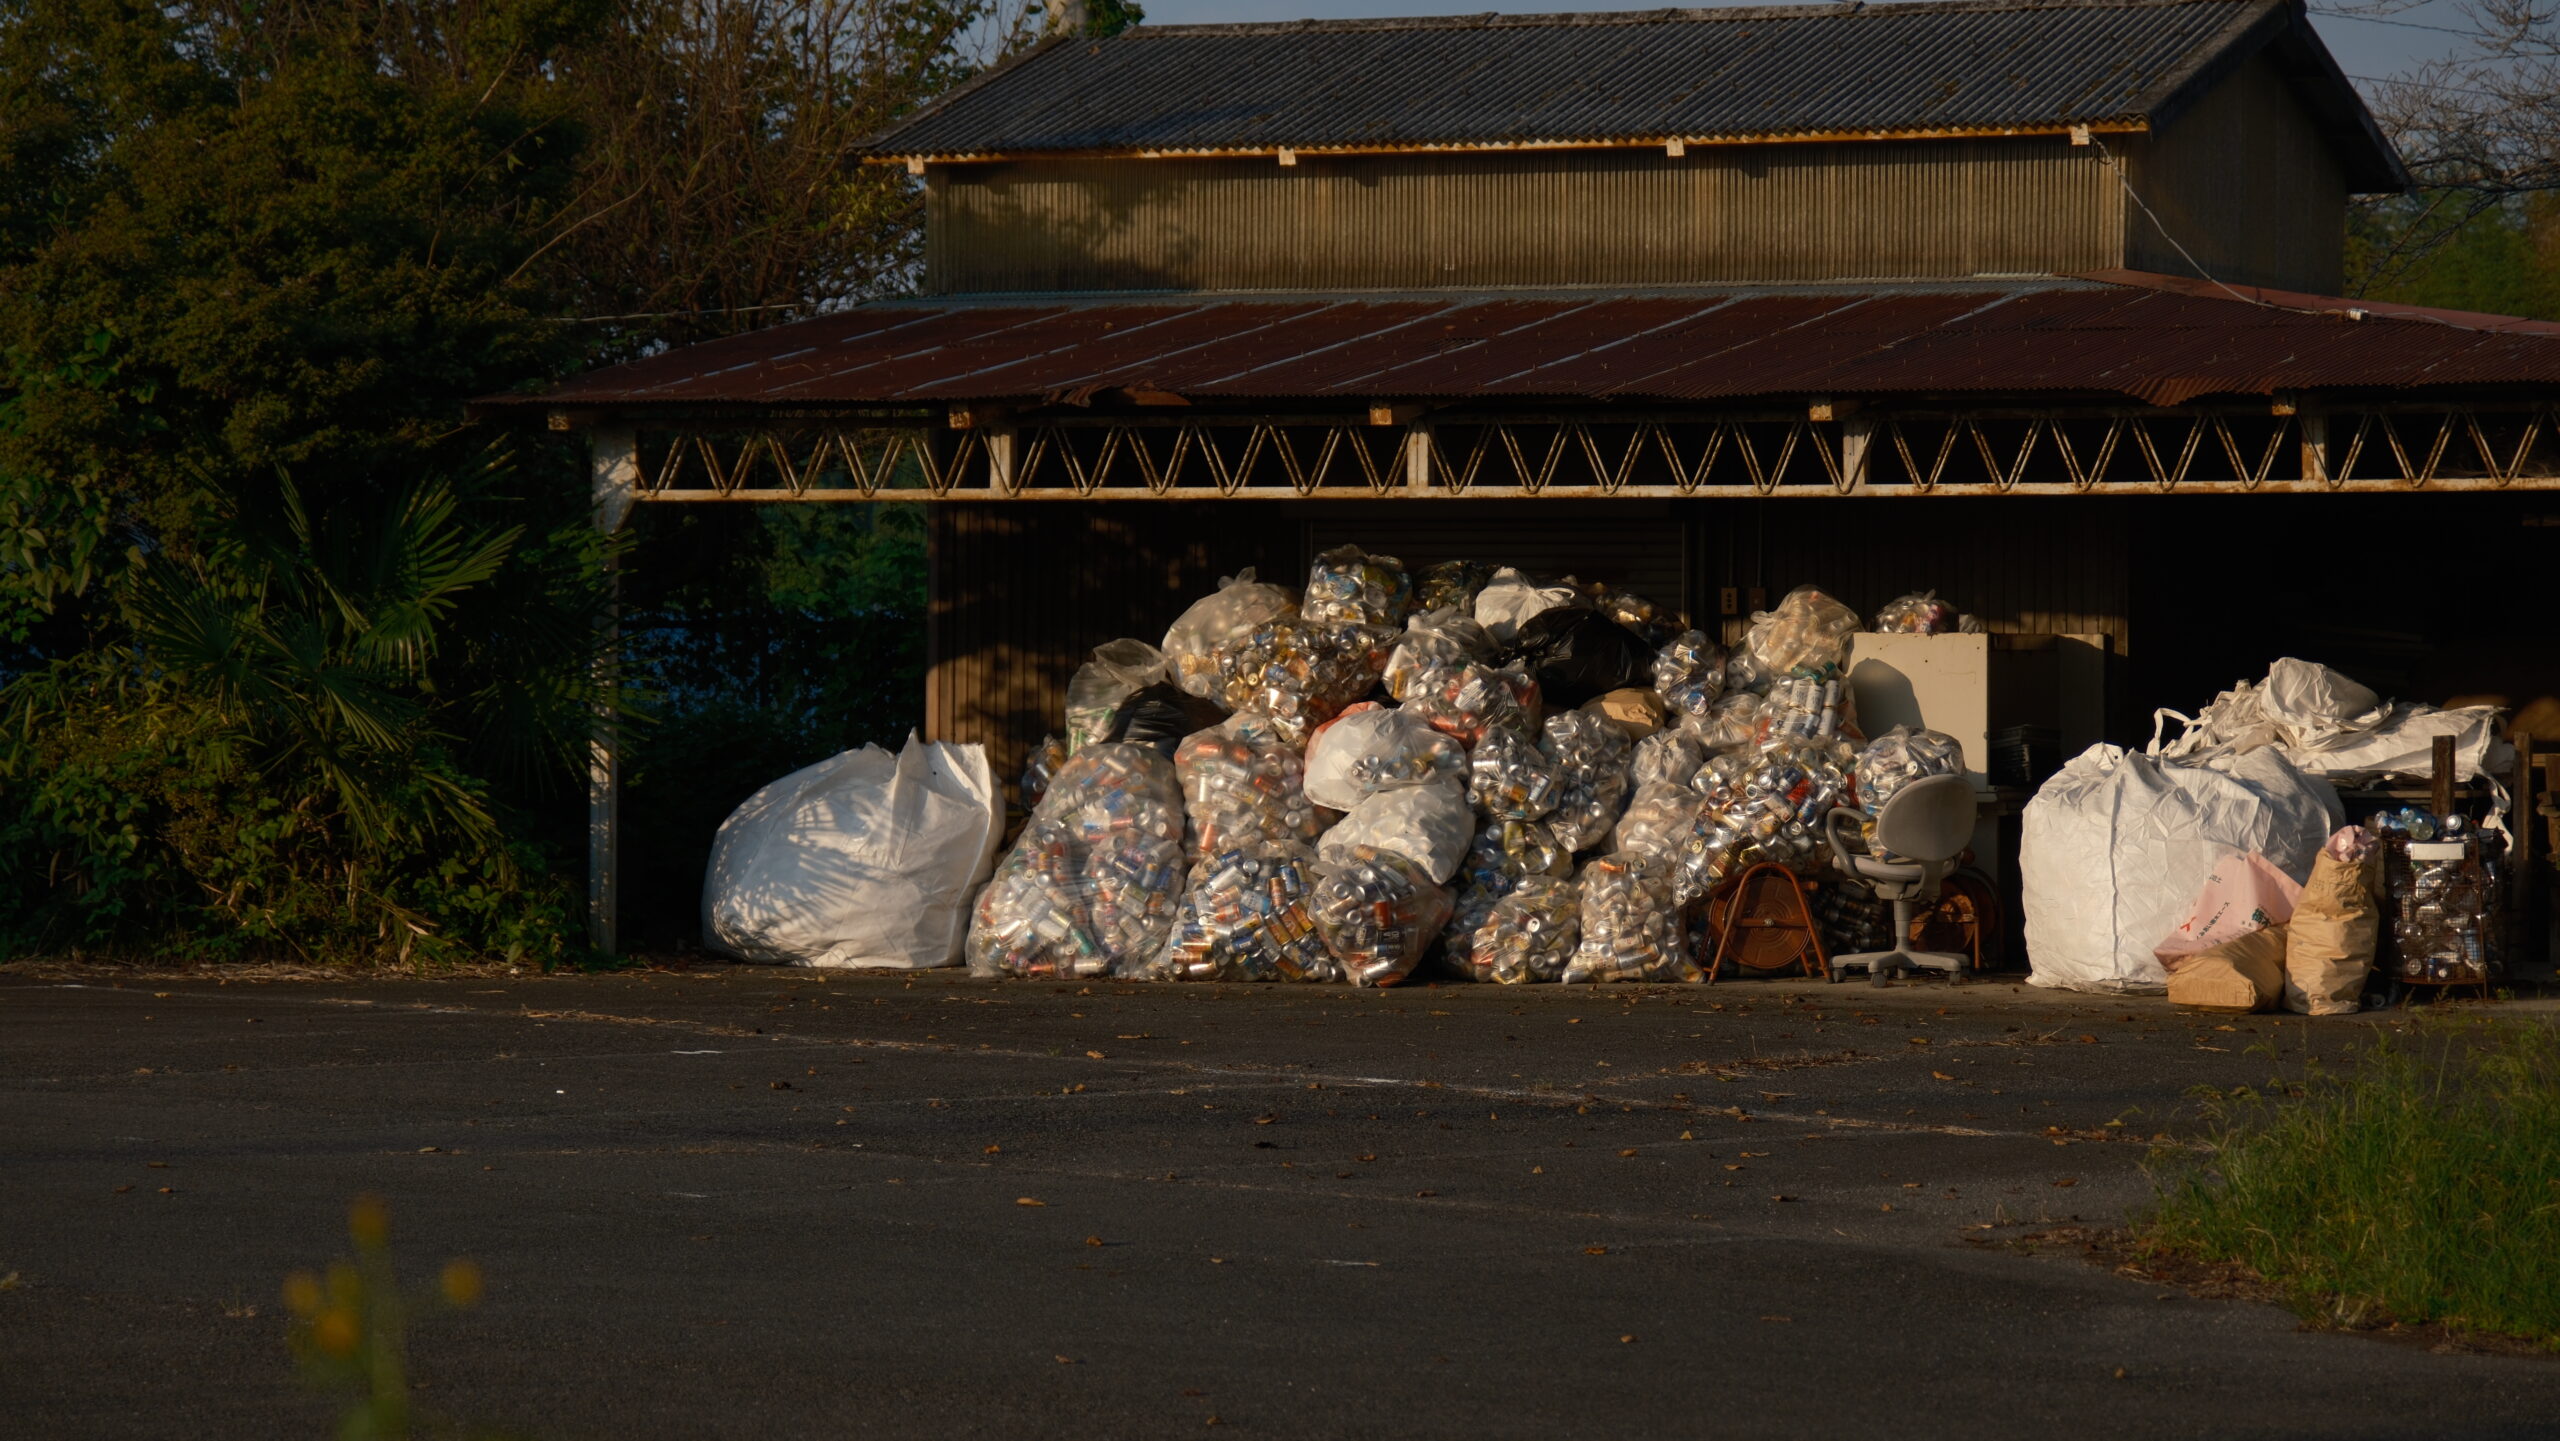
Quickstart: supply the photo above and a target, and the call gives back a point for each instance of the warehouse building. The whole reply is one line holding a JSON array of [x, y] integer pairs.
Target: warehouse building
[[2033, 304]]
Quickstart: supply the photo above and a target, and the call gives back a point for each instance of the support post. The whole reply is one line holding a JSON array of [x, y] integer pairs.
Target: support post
[[2315, 444], [1857, 433], [614, 466], [1003, 451], [1417, 458]]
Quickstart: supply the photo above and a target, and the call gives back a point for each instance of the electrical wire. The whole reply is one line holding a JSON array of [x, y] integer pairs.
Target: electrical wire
[[2139, 203]]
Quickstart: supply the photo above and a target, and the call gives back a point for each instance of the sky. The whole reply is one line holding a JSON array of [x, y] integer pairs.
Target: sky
[[2369, 48]]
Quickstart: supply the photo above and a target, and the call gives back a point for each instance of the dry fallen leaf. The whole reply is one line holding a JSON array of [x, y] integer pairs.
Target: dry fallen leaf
[[1733, 1165], [1093, 1240], [2088, 1040], [2068, 1181], [1028, 1201], [1941, 1075], [1097, 1055], [995, 1150], [1595, 1250], [1533, 1170], [1783, 1320], [120, 1190], [1684, 1135], [1629, 1151], [1627, 1340], [1264, 1120]]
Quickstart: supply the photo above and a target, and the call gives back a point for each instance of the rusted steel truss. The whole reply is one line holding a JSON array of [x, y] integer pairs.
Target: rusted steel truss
[[1821, 452]]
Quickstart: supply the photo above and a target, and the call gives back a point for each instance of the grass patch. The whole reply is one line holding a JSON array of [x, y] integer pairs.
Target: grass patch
[[2418, 1186]]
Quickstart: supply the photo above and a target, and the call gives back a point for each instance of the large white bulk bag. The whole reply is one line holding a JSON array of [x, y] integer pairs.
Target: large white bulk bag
[[2115, 847], [865, 859]]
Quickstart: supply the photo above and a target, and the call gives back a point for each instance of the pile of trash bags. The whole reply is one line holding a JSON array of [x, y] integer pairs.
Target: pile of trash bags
[[1468, 769], [2119, 846]]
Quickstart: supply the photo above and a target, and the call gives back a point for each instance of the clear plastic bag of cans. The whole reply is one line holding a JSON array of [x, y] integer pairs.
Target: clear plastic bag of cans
[[1532, 933], [1659, 820], [1450, 585], [1590, 758], [1510, 778], [1803, 710], [1119, 669], [1670, 756], [1719, 777], [1432, 640], [1711, 851], [1783, 799], [1248, 916], [1046, 758], [1471, 700], [1677, 826], [1370, 748], [1688, 673], [1244, 789], [1427, 824], [1807, 636], [1378, 912], [1919, 613], [1503, 854], [1198, 646], [1734, 721], [1657, 624], [1299, 674], [1899, 757], [1095, 879], [1630, 923], [1349, 586]]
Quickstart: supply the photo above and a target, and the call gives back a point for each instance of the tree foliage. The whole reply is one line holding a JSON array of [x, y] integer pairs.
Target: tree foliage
[[297, 657]]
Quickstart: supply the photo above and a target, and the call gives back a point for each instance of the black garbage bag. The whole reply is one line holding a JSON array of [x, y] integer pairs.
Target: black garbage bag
[[1161, 715], [1576, 654]]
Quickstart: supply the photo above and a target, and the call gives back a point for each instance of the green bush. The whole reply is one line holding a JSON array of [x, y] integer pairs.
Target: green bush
[[2419, 1184]]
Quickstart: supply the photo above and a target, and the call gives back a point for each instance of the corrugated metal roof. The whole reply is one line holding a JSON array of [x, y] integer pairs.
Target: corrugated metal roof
[[2153, 339], [1528, 80]]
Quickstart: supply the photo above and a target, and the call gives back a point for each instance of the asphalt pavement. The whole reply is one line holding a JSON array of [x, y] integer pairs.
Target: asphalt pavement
[[751, 1203]]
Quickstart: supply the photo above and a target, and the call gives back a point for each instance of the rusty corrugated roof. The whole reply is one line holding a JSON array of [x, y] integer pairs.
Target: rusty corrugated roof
[[1756, 73], [2152, 339]]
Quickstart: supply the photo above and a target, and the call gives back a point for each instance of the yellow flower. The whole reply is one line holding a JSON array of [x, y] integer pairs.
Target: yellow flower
[[462, 1283], [335, 1332], [369, 1221], [302, 1293]]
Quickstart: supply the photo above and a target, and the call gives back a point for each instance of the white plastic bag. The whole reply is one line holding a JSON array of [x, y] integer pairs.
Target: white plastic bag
[[2115, 847], [1510, 598], [1371, 748], [1432, 640], [863, 860], [1429, 825]]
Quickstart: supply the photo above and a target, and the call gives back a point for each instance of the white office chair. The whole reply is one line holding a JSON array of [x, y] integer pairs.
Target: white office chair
[[1925, 827]]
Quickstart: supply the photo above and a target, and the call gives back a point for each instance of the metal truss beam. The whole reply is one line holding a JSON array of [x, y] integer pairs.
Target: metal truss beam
[[1824, 452]]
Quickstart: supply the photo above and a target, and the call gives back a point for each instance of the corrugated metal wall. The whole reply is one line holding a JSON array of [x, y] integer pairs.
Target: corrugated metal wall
[[2246, 184], [1022, 591], [1900, 209]]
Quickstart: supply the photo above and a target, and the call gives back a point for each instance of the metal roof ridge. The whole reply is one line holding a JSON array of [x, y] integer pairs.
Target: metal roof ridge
[[2333, 306], [1458, 295], [1496, 20]]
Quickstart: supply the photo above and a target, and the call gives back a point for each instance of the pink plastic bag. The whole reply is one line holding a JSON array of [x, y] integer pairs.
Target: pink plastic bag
[[2242, 893]]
